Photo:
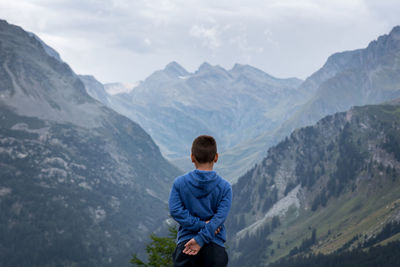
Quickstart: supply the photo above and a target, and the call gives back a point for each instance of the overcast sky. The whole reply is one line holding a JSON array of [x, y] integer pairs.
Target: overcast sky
[[127, 40]]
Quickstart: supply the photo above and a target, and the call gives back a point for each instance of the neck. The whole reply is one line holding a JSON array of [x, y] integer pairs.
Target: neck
[[205, 166]]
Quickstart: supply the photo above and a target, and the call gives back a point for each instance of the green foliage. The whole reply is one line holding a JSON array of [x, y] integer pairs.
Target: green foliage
[[159, 251], [320, 199], [272, 167], [390, 229], [349, 190], [275, 222], [348, 244], [369, 254], [251, 242], [349, 162], [270, 200], [306, 244], [374, 257], [290, 185], [392, 143]]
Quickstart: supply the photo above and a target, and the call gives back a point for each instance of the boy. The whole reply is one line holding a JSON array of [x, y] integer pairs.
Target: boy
[[200, 201]]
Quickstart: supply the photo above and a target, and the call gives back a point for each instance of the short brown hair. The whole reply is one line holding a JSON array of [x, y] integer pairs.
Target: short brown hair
[[204, 148]]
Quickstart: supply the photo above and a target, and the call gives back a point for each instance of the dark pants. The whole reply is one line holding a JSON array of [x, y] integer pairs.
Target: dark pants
[[210, 255]]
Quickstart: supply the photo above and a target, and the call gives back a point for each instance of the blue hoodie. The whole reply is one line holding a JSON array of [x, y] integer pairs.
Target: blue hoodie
[[197, 197]]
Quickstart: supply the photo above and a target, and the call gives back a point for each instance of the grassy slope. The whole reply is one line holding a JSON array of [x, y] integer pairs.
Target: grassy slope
[[363, 213]]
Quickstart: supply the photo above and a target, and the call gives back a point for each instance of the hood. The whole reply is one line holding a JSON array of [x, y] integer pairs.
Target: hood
[[201, 183]]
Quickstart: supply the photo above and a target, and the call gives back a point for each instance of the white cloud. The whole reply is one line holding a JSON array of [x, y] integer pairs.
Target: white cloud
[[124, 40], [208, 35], [147, 41]]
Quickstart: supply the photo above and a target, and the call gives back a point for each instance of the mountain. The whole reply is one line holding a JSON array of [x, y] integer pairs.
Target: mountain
[[359, 77], [80, 185], [235, 106], [331, 89], [327, 188], [50, 51], [95, 89]]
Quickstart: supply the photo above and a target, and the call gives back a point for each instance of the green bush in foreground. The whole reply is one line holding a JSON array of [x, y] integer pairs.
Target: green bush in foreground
[[159, 251]]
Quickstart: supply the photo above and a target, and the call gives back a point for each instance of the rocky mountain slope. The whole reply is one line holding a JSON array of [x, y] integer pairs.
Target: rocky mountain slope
[[327, 188], [95, 89], [80, 185], [235, 106]]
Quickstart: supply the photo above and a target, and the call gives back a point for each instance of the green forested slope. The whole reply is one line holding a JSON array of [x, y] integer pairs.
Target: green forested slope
[[332, 186]]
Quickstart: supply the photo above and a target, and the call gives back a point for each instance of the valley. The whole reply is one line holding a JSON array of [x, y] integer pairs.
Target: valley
[[86, 167]]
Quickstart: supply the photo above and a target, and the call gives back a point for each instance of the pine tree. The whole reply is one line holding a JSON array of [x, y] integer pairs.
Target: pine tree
[[159, 251]]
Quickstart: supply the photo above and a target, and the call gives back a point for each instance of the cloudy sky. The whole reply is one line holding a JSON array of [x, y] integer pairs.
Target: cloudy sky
[[127, 40]]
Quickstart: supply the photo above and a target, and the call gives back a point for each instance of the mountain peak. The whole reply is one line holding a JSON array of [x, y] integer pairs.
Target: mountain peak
[[216, 71], [386, 42], [245, 67], [395, 33], [49, 50], [240, 70], [238, 66], [205, 67], [175, 69], [38, 97], [395, 30]]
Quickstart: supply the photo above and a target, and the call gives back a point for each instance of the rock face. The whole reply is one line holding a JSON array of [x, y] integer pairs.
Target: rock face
[[235, 106], [95, 89], [327, 187], [79, 184]]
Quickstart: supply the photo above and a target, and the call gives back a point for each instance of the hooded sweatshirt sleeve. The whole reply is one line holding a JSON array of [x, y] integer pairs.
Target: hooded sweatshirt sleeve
[[206, 234], [180, 213]]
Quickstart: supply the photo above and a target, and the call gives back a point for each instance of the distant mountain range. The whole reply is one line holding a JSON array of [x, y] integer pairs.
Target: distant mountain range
[[80, 185], [235, 106], [248, 110]]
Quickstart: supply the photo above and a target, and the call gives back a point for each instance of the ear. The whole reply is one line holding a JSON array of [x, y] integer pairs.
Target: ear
[[216, 158], [192, 158]]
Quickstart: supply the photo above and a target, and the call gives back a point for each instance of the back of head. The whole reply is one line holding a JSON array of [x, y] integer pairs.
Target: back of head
[[204, 149]]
